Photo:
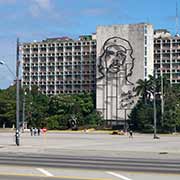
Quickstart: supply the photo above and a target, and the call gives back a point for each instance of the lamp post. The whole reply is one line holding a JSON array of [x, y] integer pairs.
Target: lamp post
[[17, 135], [162, 96], [23, 115], [125, 120], [154, 107]]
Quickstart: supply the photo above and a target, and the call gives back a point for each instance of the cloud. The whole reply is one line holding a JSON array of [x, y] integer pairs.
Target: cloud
[[43, 4], [50, 13], [37, 7]]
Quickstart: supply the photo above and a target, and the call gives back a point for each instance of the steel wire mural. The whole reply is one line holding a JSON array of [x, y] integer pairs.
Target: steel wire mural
[[114, 69]]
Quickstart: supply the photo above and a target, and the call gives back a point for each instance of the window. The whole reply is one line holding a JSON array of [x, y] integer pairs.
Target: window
[[145, 72], [145, 40], [145, 29], [145, 51], [145, 61]]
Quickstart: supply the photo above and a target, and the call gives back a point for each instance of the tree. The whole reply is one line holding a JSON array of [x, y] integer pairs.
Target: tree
[[36, 108], [77, 105], [54, 112], [8, 106], [144, 89], [171, 109], [141, 117]]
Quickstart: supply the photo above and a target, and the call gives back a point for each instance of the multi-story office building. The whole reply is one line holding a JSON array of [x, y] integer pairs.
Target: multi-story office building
[[124, 55], [167, 55], [60, 65]]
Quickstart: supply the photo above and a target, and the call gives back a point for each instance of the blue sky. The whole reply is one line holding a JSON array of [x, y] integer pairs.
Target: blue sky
[[38, 19]]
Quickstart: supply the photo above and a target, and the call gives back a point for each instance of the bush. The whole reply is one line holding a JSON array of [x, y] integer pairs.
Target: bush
[[94, 120]]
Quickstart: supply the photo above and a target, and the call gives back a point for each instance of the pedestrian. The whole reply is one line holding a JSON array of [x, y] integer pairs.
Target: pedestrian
[[31, 130], [130, 134], [35, 131], [39, 131]]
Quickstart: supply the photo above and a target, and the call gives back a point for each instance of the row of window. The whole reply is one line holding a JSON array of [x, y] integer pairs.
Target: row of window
[[59, 68], [76, 71], [59, 44], [68, 48], [57, 63], [60, 54], [167, 41], [167, 61], [167, 51], [176, 81], [168, 70], [60, 82], [67, 92]]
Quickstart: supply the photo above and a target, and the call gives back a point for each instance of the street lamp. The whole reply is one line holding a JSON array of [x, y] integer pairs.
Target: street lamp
[[9, 69], [24, 115], [154, 107], [17, 135]]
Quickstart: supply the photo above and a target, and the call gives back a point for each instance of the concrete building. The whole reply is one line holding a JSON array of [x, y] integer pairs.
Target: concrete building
[[167, 55], [60, 65], [124, 55], [108, 63]]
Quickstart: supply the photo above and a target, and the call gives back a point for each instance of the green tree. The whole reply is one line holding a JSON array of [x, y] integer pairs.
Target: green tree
[[171, 109], [144, 89], [141, 117], [8, 106], [36, 107]]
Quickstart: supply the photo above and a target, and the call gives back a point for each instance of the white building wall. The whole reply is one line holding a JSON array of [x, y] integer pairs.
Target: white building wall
[[150, 49], [116, 76]]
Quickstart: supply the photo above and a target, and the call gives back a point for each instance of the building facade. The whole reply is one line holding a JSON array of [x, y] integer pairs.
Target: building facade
[[167, 55], [108, 63], [60, 65], [124, 55]]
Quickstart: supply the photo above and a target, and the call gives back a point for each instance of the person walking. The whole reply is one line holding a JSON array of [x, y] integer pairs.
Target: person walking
[[31, 130], [39, 131], [35, 131], [130, 134]]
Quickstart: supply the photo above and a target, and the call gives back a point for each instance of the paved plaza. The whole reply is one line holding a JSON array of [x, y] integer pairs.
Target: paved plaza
[[93, 144]]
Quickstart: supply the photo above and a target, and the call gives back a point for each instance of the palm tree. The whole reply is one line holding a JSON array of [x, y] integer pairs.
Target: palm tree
[[144, 88]]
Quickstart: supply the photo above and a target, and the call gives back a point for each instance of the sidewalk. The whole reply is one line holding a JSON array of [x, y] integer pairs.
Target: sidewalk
[[93, 144]]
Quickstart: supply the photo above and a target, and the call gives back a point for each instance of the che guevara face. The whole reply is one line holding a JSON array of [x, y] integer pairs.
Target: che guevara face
[[115, 57]]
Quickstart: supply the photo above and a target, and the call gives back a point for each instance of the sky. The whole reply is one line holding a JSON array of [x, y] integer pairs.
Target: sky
[[40, 19]]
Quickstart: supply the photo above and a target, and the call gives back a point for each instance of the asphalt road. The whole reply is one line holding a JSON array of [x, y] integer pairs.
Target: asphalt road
[[31, 178], [100, 163], [8, 172]]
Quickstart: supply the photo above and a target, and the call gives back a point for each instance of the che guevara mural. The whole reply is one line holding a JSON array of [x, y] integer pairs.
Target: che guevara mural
[[124, 55], [114, 69]]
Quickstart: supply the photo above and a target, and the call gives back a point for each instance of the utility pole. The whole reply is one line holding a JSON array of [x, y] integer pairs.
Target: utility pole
[[162, 87], [24, 116], [162, 100], [154, 107], [125, 120], [17, 135]]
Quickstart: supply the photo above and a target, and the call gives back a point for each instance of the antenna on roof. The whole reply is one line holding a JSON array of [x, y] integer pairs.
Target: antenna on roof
[[177, 20]]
